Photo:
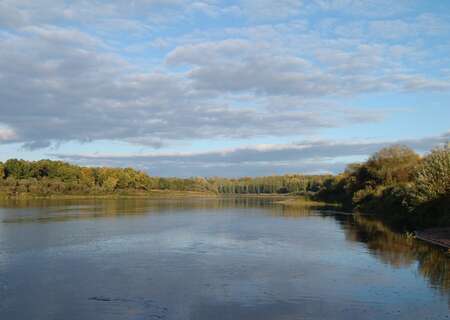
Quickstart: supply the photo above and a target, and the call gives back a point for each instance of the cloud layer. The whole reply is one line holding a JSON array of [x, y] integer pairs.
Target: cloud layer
[[69, 77], [306, 157]]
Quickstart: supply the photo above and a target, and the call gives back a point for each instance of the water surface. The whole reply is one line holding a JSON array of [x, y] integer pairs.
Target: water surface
[[211, 259]]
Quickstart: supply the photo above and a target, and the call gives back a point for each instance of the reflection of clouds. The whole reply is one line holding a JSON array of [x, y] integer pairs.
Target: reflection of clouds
[[183, 241]]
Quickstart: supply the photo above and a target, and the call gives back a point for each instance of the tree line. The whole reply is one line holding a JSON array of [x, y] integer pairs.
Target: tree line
[[395, 182], [47, 177]]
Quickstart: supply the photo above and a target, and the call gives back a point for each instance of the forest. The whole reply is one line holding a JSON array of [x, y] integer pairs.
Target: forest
[[396, 183], [47, 177]]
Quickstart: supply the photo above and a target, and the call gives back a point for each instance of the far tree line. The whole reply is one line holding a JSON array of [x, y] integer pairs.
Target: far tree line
[[47, 177]]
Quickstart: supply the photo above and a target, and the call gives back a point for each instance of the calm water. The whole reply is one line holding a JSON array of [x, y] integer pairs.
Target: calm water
[[211, 259]]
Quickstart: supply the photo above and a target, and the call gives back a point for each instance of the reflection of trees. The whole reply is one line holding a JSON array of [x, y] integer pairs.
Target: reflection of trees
[[294, 211], [300, 210], [388, 246], [435, 266], [399, 250], [48, 210], [300, 207]]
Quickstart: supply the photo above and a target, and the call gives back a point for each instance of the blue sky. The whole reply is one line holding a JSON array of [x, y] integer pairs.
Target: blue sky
[[228, 88]]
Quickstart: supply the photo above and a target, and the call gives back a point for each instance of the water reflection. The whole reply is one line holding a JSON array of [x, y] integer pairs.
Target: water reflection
[[305, 210], [399, 250], [395, 249], [53, 210]]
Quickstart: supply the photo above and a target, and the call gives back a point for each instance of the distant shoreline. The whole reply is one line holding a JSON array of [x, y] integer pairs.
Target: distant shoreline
[[150, 194], [289, 198]]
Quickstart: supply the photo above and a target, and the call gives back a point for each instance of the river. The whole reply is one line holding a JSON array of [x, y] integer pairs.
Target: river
[[231, 258]]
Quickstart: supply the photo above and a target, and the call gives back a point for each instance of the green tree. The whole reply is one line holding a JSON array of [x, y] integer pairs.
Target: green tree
[[432, 179], [2, 171], [19, 169], [110, 183], [392, 165]]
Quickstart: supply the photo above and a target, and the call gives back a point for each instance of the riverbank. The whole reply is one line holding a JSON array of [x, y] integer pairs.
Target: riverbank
[[436, 236], [287, 199]]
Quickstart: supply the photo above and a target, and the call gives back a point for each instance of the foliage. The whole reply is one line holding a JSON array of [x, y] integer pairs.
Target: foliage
[[432, 179], [392, 165], [46, 177], [297, 184], [398, 185]]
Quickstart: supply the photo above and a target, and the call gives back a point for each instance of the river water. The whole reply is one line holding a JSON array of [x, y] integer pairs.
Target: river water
[[233, 258]]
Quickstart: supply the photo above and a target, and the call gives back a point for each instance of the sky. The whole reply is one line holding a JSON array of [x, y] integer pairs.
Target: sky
[[222, 87]]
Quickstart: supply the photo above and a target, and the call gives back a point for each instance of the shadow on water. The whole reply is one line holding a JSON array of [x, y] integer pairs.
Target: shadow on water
[[399, 250]]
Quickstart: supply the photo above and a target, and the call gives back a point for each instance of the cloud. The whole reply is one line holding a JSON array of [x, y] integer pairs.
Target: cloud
[[392, 29], [10, 16], [267, 10], [6, 134], [316, 156], [271, 10], [34, 145], [370, 8], [141, 13], [236, 65]]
